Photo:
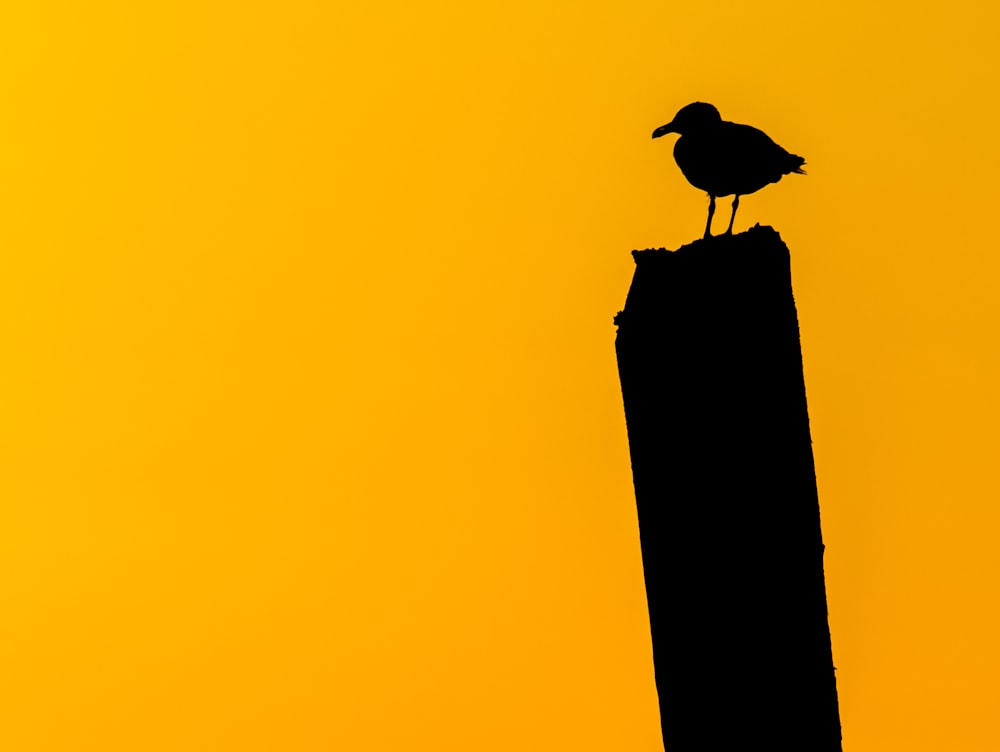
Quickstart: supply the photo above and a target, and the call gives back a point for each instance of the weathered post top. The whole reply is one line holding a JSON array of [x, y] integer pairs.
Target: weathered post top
[[711, 373]]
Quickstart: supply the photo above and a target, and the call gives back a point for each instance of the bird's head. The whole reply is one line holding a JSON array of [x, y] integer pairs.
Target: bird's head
[[694, 117]]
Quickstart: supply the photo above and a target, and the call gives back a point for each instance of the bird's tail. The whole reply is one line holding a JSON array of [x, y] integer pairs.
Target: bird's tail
[[796, 162]]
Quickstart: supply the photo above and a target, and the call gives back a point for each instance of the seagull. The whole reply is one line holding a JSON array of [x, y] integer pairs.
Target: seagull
[[725, 159]]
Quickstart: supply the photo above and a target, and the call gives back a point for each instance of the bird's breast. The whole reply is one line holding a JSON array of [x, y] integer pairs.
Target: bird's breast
[[700, 164]]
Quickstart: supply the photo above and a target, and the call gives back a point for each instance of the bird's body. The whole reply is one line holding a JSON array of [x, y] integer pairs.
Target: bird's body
[[733, 159], [723, 158]]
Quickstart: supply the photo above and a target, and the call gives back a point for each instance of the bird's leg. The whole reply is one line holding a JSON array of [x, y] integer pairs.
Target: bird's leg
[[711, 211], [736, 203]]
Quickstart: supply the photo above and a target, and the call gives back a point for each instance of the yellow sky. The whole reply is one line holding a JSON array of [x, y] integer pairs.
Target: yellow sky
[[312, 436]]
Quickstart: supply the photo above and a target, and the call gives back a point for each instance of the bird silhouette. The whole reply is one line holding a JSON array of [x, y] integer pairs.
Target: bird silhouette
[[725, 159]]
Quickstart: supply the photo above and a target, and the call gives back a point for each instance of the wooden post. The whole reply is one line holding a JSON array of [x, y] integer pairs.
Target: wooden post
[[711, 374]]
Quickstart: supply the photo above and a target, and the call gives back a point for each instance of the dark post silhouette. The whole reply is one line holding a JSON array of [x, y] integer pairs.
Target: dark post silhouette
[[718, 429]]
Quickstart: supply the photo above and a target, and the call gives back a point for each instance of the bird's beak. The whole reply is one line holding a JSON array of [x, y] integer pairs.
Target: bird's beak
[[664, 130]]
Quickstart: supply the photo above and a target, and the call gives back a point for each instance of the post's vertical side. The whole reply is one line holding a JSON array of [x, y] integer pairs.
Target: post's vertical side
[[711, 372]]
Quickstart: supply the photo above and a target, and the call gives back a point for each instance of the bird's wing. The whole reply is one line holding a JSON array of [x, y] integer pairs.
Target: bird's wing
[[755, 156]]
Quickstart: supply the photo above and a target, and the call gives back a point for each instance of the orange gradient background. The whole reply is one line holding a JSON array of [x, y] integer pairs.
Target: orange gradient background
[[312, 436]]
